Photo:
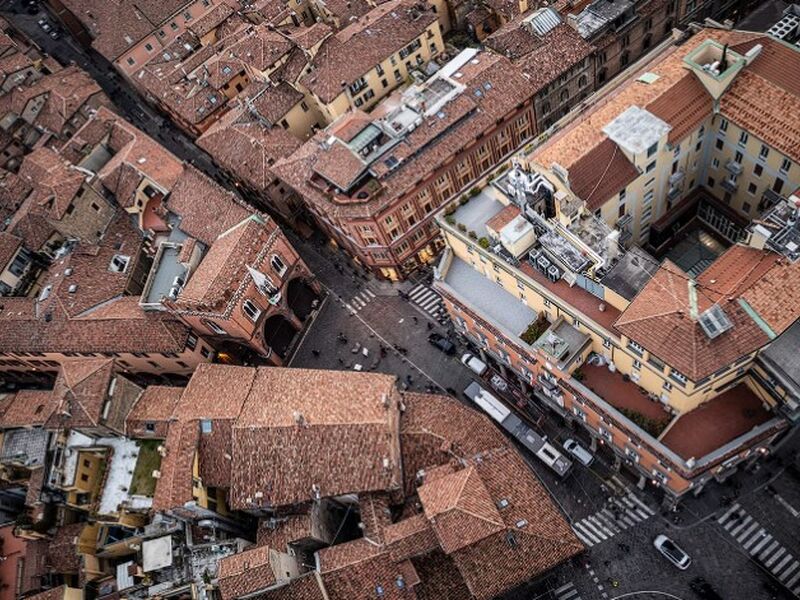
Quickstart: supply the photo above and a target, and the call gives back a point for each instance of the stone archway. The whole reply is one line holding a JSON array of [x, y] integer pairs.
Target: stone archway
[[279, 333], [300, 297]]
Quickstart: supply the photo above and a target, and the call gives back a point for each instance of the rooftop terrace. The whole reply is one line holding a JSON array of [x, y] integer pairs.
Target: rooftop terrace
[[489, 299], [478, 211], [715, 423], [625, 396]]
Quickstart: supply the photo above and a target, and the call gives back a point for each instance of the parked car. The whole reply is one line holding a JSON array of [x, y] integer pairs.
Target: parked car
[[703, 589], [674, 553], [474, 364], [498, 383], [581, 454], [46, 27], [54, 34], [42, 22], [442, 343]]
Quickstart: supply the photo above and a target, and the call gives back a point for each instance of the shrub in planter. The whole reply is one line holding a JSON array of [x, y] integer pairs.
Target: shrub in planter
[[461, 227], [483, 243]]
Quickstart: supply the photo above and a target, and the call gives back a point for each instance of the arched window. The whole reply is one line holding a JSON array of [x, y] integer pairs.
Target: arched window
[[251, 310], [582, 81], [278, 265], [565, 95], [545, 107], [214, 327]]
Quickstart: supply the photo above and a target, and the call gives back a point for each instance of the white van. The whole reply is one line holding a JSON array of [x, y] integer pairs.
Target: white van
[[474, 364]]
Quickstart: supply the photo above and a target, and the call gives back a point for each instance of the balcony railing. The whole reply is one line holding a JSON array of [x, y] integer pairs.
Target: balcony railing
[[734, 167], [676, 177], [729, 185], [673, 193]]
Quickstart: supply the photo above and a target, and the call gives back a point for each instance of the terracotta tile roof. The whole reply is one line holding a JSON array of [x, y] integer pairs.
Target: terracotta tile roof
[[764, 104], [35, 483], [340, 165], [460, 509], [209, 383], [211, 20], [54, 184], [503, 218], [347, 435], [659, 320], [68, 92], [174, 486], [219, 210], [245, 573], [357, 569], [501, 87], [410, 537], [308, 37], [9, 244], [536, 537], [56, 593], [116, 26], [155, 405], [571, 143], [81, 387], [62, 554], [365, 43], [29, 408], [774, 295], [242, 144], [684, 107], [601, 173], [279, 532], [225, 267]]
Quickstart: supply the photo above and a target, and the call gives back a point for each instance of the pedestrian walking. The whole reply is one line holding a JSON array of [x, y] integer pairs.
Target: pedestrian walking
[[316, 353]]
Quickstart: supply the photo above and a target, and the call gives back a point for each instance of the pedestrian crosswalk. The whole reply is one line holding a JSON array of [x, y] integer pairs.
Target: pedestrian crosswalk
[[566, 592], [761, 546], [429, 301], [360, 300], [621, 513]]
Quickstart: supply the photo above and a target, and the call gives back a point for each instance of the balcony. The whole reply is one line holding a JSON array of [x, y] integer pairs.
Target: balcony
[[676, 177], [734, 167], [674, 193], [627, 397], [729, 185], [275, 298], [716, 423], [624, 221]]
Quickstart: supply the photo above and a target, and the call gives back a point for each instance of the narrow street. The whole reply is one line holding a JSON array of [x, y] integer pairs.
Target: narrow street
[[743, 535]]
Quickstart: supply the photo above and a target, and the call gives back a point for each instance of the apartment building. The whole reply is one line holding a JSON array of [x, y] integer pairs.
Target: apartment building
[[659, 366], [555, 58], [621, 31], [374, 182], [690, 137], [369, 58]]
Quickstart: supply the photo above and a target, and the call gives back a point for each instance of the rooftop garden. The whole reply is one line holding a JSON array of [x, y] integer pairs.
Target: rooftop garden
[[535, 330], [149, 460]]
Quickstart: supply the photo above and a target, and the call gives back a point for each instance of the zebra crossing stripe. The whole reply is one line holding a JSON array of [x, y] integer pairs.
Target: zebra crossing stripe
[[610, 516], [793, 580], [635, 509], [566, 591], [646, 508], [584, 532], [743, 536], [728, 513], [769, 550], [759, 534], [734, 527], [586, 541], [774, 558], [764, 541], [419, 291], [789, 571], [784, 561], [350, 308], [358, 302], [369, 293], [600, 525], [608, 520]]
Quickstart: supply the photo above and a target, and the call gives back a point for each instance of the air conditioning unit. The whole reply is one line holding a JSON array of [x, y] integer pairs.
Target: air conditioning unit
[[553, 273], [543, 263], [156, 474]]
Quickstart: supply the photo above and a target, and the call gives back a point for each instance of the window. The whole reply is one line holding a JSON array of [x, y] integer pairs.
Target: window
[[84, 477], [743, 137], [621, 211], [148, 46], [655, 363], [251, 310], [678, 377], [131, 62], [757, 170], [738, 157], [579, 413], [650, 167], [778, 185], [214, 327], [719, 144], [173, 26], [635, 348], [205, 426], [607, 343], [397, 76], [764, 152], [786, 165], [723, 125], [119, 263], [652, 150], [711, 182], [278, 265], [191, 341], [150, 426], [752, 188], [637, 365]]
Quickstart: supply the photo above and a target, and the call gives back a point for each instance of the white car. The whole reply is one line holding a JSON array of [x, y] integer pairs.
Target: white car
[[46, 27], [674, 553], [474, 364], [581, 454]]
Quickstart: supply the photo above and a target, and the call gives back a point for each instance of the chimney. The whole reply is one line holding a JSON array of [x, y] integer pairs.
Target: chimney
[[299, 418]]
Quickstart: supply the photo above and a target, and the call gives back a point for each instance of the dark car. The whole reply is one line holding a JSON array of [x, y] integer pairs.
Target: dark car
[[703, 589], [442, 343]]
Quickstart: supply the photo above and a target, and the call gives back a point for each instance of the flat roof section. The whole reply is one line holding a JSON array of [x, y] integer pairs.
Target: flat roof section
[[478, 211], [623, 395], [715, 423], [488, 298]]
